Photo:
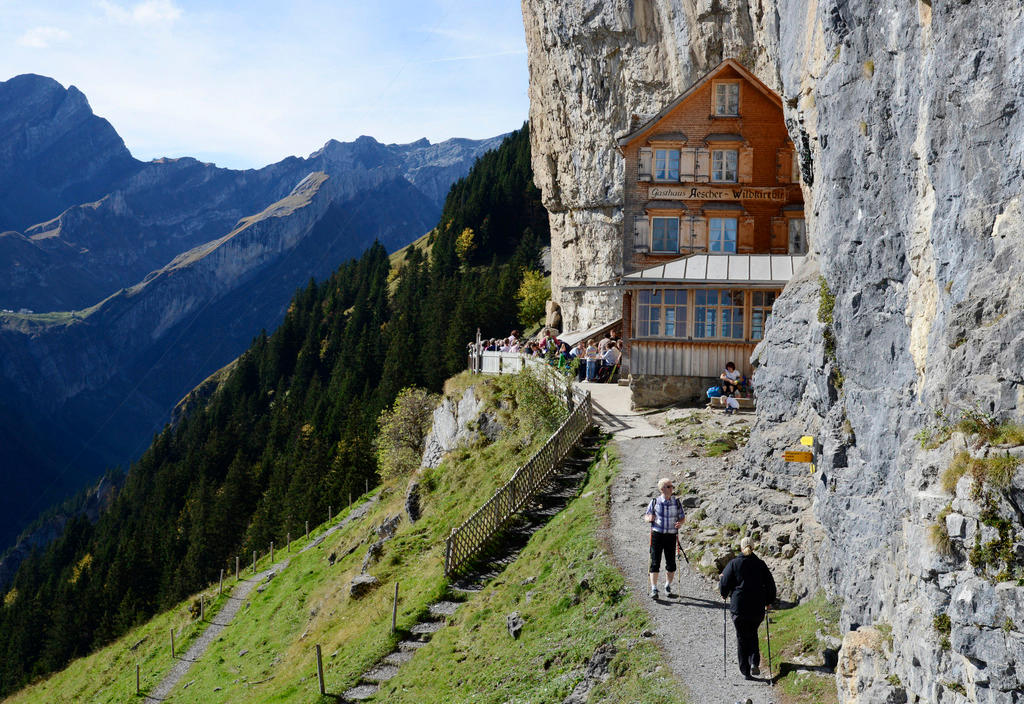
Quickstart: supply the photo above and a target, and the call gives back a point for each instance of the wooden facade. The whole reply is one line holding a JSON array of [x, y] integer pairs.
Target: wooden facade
[[714, 173]]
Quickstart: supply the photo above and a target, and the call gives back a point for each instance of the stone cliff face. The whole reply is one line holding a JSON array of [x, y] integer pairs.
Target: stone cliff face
[[909, 123]]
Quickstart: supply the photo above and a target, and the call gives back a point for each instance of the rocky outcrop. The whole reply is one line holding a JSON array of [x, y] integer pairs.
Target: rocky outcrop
[[461, 423], [910, 131]]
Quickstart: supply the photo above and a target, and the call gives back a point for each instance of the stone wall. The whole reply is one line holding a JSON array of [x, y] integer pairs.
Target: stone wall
[[908, 120], [653, 390]]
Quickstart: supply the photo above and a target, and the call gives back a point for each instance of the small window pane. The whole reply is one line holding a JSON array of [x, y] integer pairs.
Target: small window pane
[[670, 322]]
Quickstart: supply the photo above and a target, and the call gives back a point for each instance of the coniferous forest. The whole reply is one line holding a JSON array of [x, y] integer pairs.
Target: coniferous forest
[[290, 429]]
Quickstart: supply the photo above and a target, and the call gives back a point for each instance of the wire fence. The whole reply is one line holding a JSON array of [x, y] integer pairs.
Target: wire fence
[[466, 541]]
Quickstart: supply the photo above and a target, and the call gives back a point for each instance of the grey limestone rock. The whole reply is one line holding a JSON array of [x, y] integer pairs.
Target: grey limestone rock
[[911, 140], [514, 622], [362, 584], [459, 423]]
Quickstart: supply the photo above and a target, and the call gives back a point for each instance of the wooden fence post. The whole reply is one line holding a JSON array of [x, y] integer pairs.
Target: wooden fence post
[[138, 683], [271, 551], [254, 562], [237, 560], [172, 643], [289, 538], [307, 530], [367, 481], [320, 670], [202, 607], [330, 512], [394, 610], [222, 580]]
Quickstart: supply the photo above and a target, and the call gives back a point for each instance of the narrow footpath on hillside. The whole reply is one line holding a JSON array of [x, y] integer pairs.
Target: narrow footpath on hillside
[[227, 614], [690, 624]]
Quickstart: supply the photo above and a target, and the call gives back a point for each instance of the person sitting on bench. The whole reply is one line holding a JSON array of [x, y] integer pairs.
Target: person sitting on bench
[[731, 380]]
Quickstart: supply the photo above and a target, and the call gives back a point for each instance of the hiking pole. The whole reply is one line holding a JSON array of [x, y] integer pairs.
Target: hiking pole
[[680, 551], [724, 619], [768, 635]]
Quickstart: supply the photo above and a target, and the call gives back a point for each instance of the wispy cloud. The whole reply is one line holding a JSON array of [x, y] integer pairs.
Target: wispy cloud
[[475, 57], [146, 12], [43, 37]]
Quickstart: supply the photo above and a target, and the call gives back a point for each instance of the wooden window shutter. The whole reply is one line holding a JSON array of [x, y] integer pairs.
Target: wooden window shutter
[[641, 233], [780, 235], [794, 161], [745, 165], [784, 165], [644, 168], [688, 165], [699, 235], [745, 234], [702, 165]]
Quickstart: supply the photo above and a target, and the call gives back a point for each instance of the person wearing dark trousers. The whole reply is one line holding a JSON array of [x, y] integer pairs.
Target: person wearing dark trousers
[[748, 584], [665, 514]]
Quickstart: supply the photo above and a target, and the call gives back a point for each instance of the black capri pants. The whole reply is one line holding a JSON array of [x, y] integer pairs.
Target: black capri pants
[[663, 543]]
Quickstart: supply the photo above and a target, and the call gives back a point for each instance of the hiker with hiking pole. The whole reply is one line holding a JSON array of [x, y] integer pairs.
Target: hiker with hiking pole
[[749, 585], [665, 514]]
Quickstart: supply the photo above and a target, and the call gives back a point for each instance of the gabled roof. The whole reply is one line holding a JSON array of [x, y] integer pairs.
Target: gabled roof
[[731, 269], [689, 92]]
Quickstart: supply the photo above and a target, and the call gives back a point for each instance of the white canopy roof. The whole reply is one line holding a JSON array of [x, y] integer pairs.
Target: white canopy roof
[[750, 269]]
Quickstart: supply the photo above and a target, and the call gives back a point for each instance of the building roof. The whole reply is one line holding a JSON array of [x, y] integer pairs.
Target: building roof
[[734, 269], [728, 63]]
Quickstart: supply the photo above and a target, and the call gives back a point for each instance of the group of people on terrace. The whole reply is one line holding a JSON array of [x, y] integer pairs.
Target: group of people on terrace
[[594, 360]]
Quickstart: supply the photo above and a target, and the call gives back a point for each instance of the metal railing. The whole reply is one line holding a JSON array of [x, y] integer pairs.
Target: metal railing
[[466, 541]]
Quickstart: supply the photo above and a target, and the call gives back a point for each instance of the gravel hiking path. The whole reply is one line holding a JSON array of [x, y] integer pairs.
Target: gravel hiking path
[[688, 625], [237, 598]]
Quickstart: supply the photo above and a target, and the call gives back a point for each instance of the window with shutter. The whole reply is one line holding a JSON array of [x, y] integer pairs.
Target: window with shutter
[[745, 167], [688, 165], [665, 235], [794, 160], [723, 165], [722, 235], [797, 236], [745, 237], [702, 166], [780, 235], [699, 235], [641, 240], [784, 165], [644, 164], [666, 164]]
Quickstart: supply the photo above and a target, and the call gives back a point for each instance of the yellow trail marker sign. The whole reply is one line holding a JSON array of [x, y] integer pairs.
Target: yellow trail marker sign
[[807, 441], [798, 456]]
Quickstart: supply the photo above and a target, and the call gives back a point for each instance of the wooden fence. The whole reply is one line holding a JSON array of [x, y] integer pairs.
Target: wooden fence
[[467, 540]]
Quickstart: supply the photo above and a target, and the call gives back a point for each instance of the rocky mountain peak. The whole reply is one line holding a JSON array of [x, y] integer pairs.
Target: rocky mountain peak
[[56, 152]]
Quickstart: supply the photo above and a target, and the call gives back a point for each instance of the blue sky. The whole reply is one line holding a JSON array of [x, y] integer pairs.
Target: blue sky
[[244, 84]]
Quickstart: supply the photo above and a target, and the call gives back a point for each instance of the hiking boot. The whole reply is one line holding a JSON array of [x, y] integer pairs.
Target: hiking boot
[[654, 592], [755, 670], [668, 590]]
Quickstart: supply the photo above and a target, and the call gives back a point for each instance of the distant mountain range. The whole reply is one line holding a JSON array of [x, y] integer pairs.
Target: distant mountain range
[[142, 278]]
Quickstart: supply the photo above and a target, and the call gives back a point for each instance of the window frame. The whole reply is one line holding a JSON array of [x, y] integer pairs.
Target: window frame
[[715, 86], [687, 325], [655, 249], [663, 308], [789, 235], [656, 174], [735, 166], [764, 308], [711, 233]]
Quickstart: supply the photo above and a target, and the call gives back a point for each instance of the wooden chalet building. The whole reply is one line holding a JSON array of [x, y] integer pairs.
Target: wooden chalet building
[[714, 228]]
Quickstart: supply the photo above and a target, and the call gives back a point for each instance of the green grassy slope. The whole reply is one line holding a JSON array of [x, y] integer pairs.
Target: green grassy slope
[[575, 601]]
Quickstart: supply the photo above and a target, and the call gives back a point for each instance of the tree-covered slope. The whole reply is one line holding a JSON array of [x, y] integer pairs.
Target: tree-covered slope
[[287, 434]]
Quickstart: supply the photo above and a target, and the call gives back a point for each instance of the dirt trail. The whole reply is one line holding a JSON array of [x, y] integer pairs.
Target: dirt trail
[[689, 625], [237, 598]]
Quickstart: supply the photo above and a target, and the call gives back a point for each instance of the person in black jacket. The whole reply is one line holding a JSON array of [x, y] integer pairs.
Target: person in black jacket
[[752, 589]]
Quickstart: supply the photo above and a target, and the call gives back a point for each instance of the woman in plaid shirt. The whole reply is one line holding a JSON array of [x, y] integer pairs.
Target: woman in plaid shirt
[[665, 514]]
